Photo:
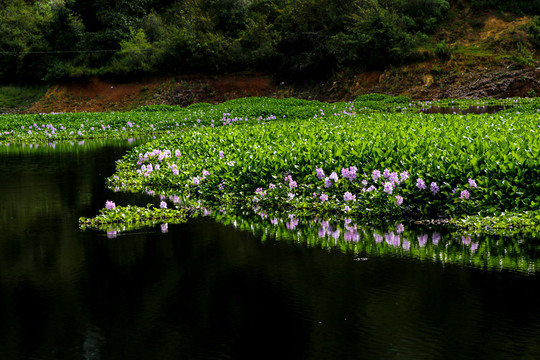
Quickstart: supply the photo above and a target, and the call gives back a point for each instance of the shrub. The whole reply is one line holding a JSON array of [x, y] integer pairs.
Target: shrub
[[443, 51]]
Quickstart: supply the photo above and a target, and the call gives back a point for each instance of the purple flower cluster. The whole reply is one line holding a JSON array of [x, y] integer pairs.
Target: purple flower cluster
[[349, 197], [349, 173], [292, 183], [434, 188], [260, 192]]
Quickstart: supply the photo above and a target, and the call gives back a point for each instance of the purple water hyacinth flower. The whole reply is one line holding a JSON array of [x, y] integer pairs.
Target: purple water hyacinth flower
[[175, 171], [406, 245], [292, 224], [320, 173], [371, 188], [291, 196], [205, 173], [345, 173], [435, 238], [464, 195], [177, 153], [349, 197], [472, 183], [352, 236], [196, 181], [389, 238], [364, 182], [399, 200], [422, 240], [434, 188], [420, 184], [323, 197], [347, 208], [327, 182], [221, 186], [334, 176], [404, 176], [221, 154], [352, 172], [394, 178], [110, 205], [388, 187], [164, 228], [386, 173], [163, 205], [375, 175], [271, 186], [292, 184]]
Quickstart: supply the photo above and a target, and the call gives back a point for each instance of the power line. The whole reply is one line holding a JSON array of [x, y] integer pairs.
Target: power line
[[75, 51]]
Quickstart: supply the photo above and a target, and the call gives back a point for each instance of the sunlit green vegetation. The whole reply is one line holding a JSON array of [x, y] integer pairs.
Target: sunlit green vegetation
[[349, 164], [118, 218], [371, 158]]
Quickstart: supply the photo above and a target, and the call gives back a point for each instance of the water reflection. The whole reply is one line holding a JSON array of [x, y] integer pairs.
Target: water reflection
[[519, 252], [94, 144]]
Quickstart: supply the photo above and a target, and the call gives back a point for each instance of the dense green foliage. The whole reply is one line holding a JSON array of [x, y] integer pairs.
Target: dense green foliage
[[376, 156], [120, 218], [427, 165], [302, 39]]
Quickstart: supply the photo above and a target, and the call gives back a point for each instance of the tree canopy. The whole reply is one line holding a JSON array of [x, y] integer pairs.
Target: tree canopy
[[53, 40]]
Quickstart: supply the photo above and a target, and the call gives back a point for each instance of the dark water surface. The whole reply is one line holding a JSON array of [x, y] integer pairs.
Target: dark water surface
[[204, 290]]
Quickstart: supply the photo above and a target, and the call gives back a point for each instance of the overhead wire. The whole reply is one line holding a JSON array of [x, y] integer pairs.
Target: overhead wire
[[75, 51]]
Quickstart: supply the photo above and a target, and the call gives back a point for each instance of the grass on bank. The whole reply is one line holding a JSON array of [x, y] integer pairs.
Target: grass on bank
[[19, 97]]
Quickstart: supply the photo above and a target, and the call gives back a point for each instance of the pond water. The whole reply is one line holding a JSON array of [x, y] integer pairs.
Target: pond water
[[209, 290]]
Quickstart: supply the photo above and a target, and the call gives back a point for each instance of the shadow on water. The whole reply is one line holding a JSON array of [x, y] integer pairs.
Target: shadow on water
[[225, 286], [458, 110]]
